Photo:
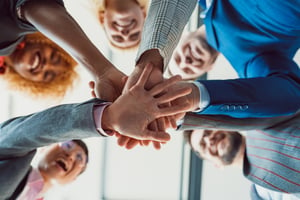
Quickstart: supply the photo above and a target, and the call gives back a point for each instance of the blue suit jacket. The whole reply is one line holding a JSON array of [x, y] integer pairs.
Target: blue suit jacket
[[20, 137], [259, 39]]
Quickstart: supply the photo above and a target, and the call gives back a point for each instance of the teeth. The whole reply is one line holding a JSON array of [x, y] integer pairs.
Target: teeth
[[35, 62]]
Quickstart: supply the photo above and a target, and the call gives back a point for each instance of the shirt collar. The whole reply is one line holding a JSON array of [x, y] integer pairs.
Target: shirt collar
[[205, 4]]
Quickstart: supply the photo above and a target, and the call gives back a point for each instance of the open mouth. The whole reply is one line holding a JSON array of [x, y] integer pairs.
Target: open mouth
[[62, 165], [36, 64], [125, 23]]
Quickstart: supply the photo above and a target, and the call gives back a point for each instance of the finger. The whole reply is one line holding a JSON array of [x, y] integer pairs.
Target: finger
[[173, 110], [124, 79], [161, 124], [172, 95], [145, 142], [153, 126], [157, 89], [173, 122], [131, 143], [144, 76], [92, 84], [123, 140], [93, 93], [156, 145], [159, 136]]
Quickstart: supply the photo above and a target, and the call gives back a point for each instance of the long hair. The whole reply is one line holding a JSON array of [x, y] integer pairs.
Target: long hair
[[54, 89]]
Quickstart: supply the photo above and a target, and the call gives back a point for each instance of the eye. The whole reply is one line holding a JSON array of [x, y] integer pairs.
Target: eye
[[79, 158], [177, 59], [134, 36], [117, 38], [55, 58], [49, 76]]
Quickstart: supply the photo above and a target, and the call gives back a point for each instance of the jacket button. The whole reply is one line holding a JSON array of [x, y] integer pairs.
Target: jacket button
[[225, 108], [244, 107]]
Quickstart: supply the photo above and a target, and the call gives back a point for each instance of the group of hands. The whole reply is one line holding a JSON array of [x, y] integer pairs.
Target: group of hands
[[144, 105]]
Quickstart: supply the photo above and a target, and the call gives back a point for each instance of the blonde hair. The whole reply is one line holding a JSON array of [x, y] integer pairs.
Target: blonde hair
[[57, 88], [144, 4]]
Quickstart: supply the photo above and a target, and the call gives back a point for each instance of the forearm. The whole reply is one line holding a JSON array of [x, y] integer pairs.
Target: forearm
[[61, 123], [253, 97], [53, 21], [223, 122], [165, 22]]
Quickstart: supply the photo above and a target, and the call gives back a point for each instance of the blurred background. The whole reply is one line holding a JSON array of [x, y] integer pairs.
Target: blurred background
[[114, 173]]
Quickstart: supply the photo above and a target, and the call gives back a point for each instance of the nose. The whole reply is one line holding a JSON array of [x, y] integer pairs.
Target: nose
[[188, 60], [209, 140], [125, 31]]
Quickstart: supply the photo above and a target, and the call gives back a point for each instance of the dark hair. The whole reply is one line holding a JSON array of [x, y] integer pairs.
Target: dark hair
[[84, 147]]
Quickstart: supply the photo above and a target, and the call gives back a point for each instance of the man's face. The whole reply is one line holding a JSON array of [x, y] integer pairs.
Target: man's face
[[218, 146], [39, 62], [123, 24], [192, 57], [63, 162]]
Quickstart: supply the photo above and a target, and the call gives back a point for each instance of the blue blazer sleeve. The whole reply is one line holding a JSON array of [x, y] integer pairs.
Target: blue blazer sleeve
[[271, 87]]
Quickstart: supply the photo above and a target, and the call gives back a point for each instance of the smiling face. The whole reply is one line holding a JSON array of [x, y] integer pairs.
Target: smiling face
[[38, 62], [123, 22], [193, 56], [218, 146], [63, 162]]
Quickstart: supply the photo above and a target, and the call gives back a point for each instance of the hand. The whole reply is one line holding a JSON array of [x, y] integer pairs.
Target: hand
[[132, 112], [150, 57], [109, 85], [192, 100], [153, 58]]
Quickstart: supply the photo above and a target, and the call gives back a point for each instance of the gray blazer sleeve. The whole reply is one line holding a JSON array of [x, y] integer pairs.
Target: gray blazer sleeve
[[20, 135], [197, 121], [19, 138]]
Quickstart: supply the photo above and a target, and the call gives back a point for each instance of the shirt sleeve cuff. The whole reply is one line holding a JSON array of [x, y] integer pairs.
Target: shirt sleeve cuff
[[98, 111], [204, 96]]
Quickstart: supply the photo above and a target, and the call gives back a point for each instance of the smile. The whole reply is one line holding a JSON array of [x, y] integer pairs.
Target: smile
[[36, 64]]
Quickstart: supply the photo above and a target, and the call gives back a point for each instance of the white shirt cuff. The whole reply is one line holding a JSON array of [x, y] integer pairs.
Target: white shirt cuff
[[204, 96], [98, 111]]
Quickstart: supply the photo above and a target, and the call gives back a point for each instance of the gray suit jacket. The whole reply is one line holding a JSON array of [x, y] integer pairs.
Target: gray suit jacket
[[272, 158], [21, 136]]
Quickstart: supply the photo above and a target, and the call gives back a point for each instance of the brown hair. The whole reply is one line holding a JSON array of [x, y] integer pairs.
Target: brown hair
[[54, 89]]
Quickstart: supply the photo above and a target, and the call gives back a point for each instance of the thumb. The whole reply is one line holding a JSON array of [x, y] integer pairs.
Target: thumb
[[92, 84], [124, 79]]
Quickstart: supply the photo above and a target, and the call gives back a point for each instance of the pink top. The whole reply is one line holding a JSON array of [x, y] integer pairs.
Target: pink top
[[33, 187]]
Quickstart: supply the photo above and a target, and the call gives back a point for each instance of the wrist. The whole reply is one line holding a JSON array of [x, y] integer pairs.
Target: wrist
[[107, 121], [194, 97], [151, 56]]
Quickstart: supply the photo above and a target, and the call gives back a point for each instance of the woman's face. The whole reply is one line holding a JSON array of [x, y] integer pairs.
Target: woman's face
[[38, 62], [123, 23]]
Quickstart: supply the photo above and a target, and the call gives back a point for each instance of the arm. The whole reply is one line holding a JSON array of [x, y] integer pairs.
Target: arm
[[53, 21], [165, 22], [199, 121], [18, 136], [271, 88]]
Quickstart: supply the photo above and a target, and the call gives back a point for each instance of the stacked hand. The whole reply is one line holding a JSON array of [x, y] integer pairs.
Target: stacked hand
[[134, 110], [139, 115]]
